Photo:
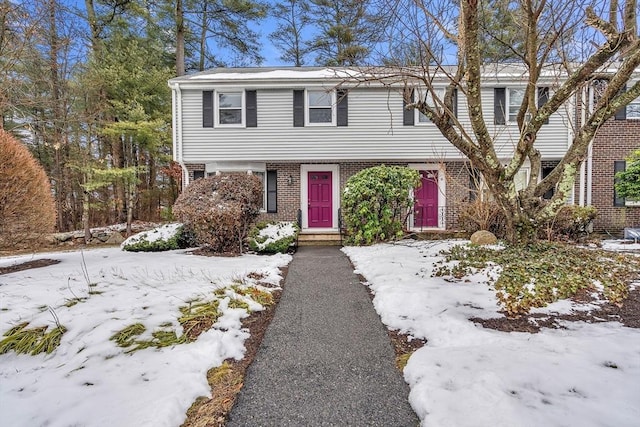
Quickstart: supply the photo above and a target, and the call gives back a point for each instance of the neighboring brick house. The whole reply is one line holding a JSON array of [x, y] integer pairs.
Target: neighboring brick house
[[613, 143], [306, 130]]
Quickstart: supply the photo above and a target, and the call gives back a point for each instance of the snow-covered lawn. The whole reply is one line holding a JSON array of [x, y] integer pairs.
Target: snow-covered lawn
[[90, 381], [466, 375]]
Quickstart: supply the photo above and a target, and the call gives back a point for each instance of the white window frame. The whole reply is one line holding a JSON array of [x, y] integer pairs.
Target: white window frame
[[243, 108], [421, 119], [507, 103], [307, 107], [636, 104]]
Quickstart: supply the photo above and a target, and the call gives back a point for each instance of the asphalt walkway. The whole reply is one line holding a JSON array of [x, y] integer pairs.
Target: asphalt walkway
[[326, 359]]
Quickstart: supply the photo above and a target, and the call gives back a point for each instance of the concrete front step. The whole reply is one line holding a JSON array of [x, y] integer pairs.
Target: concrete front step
[[319, 239]]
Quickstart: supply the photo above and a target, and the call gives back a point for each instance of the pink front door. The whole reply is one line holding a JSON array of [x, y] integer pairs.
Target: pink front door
[[425, 212], [320, 209]]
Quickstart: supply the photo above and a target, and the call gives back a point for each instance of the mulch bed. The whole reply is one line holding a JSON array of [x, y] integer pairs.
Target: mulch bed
[[628, 313], [28, 265]]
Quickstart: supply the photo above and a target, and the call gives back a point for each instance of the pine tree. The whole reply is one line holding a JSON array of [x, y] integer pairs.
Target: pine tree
[[347, 31], [292, 17]]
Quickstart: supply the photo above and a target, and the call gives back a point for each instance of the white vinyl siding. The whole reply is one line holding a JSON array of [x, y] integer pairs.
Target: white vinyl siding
[[375, 131]]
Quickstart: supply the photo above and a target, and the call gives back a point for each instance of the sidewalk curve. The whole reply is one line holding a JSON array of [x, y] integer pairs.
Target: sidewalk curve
[[326, 359]]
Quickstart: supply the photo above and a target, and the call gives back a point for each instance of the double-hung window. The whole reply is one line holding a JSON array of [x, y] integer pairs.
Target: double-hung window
[[321, 108], [428, 99], [270, 190], [230, 108], [633, 109], [515, 98]]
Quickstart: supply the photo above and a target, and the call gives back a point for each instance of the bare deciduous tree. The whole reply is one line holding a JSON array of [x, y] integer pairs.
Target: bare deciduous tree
[[575, 41]]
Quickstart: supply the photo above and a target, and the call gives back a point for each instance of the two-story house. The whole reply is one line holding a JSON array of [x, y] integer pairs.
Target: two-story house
[[306, 130], [613, 143]]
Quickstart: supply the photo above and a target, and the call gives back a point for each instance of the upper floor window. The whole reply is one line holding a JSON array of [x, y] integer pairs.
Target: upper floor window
[[320, 107], [412, 116], [428, 99], [507, 103], [230, 108], [515, 98]]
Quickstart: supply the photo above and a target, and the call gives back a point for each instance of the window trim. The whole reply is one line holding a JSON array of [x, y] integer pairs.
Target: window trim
[[502, 115], [440, 92], [621, 202], [507, 104], [636, 102], [307, 108], [243, 108]]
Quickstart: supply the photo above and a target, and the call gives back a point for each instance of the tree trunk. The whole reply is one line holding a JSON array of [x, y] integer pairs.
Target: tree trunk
[[118, 159], [86, 199], [180, 67]]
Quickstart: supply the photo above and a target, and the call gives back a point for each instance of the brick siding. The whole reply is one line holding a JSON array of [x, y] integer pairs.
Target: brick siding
[[615, 140]]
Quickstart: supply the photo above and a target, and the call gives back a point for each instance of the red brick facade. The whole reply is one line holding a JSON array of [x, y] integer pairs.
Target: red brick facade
[[288, 186], [614, 141]]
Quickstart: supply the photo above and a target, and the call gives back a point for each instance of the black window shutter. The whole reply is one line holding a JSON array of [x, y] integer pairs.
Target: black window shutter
[[545, 172], [618, 166], [455, 103], [408, 115], [207, 108], [298, 108], [499, 99], [272, 191], [475, 184], [543, 97], [621, 114], [252, 108], [343, 108]]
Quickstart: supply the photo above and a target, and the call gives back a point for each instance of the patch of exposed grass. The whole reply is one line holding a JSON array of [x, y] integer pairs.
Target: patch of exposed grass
[[538, 274], [31, 341], [401, 360], [126, 337], [73, 301], [261, 297], [226, 381], [237, 303], [197, 317]]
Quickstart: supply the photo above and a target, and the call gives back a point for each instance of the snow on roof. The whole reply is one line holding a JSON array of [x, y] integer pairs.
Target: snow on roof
[[391, 74]]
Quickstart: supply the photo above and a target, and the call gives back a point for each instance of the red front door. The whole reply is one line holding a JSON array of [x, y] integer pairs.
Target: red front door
[[425, 213], [320, 209]]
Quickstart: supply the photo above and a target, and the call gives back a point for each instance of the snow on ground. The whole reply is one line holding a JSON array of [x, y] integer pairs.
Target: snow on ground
[[274, 232], [466, 375], [621, 246], [163, 232], [88, 380]]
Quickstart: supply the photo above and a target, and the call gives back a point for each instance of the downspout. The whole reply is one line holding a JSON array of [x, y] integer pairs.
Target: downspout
[[583, 165], [176, 96], [589, 159]]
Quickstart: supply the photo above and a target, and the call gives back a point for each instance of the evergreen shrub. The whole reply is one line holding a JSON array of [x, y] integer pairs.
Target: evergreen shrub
[[376, 202]]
